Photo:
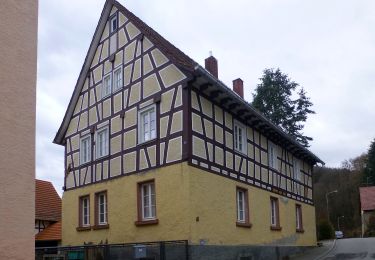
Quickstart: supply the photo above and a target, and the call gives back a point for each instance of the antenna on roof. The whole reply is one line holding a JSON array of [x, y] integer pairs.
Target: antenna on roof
[[210, 53]]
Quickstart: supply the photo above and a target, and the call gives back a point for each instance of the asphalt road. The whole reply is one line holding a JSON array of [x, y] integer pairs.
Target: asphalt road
[[352, 249]]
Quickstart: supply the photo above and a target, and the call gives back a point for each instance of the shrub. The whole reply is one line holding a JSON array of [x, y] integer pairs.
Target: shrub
[[370, 232], [325, 230]]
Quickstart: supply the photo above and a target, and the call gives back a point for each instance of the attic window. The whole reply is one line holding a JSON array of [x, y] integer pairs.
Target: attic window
[[114, 24]]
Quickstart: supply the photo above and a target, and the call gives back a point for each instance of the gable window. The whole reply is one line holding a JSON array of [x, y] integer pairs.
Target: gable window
[[275, 219], [85, 211], [297, 169], [272, 155], [242, 207], [114, 24], [102, 141], [299, 226], [101, 209], [106, 87], [147, 124], [85, 149], [117, 79], [240, 143]]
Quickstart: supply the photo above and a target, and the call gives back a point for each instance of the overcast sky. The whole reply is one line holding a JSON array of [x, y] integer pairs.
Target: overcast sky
[[328, 47]]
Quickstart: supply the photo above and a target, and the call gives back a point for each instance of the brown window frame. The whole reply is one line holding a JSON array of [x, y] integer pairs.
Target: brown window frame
[[82, 227], [245, 223], [299, 217], [96, 207], [141, 221], [275, 226]]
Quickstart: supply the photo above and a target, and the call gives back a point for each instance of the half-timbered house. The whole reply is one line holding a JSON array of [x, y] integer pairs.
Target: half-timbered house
[[158, 148]]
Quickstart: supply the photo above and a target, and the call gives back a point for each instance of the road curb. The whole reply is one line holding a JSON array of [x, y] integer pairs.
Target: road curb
[[329, 251]]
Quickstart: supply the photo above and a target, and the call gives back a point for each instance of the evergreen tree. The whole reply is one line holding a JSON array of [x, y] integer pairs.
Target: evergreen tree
[[369, 171], [273, 97]]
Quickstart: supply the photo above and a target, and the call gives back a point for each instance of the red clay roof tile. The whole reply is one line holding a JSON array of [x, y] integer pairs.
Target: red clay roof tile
[[52, 232], [367, 195], [47, 201]]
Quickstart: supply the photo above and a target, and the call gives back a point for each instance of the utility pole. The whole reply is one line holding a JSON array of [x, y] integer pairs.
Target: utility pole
[[338, 222], [327, 202]]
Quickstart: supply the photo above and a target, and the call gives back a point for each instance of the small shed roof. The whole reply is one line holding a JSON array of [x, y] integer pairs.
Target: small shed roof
[[367, 195]]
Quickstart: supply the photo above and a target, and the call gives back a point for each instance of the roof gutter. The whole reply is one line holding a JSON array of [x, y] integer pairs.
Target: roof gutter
[[277, 129]]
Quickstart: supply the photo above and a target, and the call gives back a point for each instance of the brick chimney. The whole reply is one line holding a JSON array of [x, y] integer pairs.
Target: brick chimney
[[238, 87], [211, 65]]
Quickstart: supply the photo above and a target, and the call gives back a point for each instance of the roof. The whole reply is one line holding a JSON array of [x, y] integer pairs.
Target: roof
[[52, 232], [47, 201], [367, 196], [185, 63]]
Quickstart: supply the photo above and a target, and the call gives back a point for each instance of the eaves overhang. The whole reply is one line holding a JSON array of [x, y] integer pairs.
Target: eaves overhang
[[218, 92]]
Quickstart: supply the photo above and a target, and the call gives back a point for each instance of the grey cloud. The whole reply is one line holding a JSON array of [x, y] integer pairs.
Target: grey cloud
[[326, 46]]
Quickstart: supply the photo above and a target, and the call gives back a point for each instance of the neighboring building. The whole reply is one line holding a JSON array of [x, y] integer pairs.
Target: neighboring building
[[18, 65], [367, 197], [157, 148], [47, 215]]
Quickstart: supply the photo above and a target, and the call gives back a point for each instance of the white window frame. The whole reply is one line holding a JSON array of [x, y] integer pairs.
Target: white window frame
[[298, 217], [272, 155], [82, 159], [85, 217], [97, 146], [148, 201], [114, 18], [104, 212], [141, 130], [240, 140], [103, 92], [116, 88], [274, 213], [241, 205]]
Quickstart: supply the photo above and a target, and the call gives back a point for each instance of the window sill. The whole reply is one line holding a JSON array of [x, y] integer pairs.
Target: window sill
[[83, 228], [275, 228], [105, 96], [243, 153], [152, 141], [300, 230], [146, 222], [243, 224], [85, 163], [118, 89], [102, 157], [97, 227]]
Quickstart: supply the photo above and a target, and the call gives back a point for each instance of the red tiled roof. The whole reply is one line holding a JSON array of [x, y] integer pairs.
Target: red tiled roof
[[47, 201], [367, 195], [173, 53], [52, 232]]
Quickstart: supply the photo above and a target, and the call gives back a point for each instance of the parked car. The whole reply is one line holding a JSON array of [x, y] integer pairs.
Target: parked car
[[339, 234]]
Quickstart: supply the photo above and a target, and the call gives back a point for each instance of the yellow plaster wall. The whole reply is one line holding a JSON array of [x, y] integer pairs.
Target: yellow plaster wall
[[191, 204], [172, 200], [213, 200]]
